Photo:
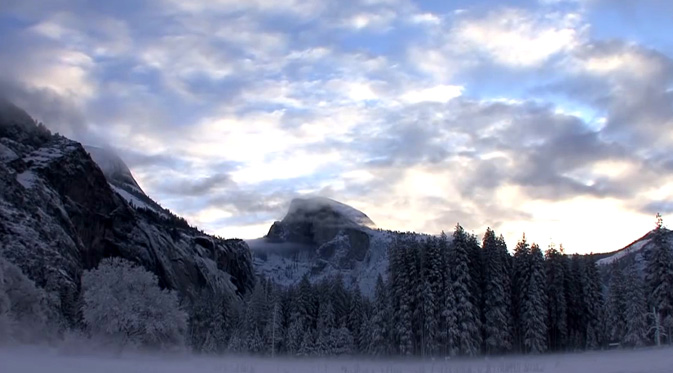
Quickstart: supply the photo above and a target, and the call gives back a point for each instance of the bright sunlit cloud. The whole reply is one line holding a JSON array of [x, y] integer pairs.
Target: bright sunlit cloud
[[545, 117]]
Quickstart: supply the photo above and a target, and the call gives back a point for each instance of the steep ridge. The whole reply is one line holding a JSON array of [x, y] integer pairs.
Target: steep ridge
[[59, 215]]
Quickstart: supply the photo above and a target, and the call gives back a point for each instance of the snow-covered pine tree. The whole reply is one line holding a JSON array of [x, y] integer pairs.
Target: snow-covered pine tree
[[520, 282], [295, 334], [449, 323], [340, 300], [210, 321], [256, 318], [381, 320], [496, 310], [534, 305], [406, 298], [342, 342], [477, 287], [355, 320], [556, 295], [593, 304], [616, 304], [468, 334], [635, 334], [274, 332], [308, 344], [325, 345], [659, 278], [507, 261], [255, 342], [431, 294], [306, 303], [413, 261], [395, 292]]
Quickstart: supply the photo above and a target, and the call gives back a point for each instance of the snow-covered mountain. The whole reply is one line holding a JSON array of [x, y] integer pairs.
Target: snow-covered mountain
[[121, 179], [322, 238], [633, 252], [59, 216]]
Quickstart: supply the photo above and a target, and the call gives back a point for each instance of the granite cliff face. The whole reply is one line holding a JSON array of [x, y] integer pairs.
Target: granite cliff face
[[59, 216], [320, 237], [319, 221]]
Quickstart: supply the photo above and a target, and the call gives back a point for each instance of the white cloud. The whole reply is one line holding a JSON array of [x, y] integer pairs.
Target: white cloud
[[517, 38], [426, 18], [440, 93]]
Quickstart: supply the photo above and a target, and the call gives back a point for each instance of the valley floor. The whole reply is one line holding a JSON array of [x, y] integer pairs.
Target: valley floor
[[39, 360]]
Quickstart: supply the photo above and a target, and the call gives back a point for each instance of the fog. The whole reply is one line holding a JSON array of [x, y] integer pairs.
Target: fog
[[66, 360]]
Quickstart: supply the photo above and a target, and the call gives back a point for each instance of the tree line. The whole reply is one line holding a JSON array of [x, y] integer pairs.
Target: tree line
[[461, 297], [441, 297]]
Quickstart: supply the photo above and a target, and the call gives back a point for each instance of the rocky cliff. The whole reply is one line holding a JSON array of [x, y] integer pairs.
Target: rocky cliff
[[59, 216], [320, 237]]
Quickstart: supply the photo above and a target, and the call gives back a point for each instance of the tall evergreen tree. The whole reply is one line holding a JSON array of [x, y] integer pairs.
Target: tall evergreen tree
[[520, 282], [659, 277], [616, 304], [356, 319], [556, 296], [431, 294], [496, 296], [478, 285], [576, 299], [468, 335], [534, 305], [593, 304], [449, 323], [635, 333], [381, 321]]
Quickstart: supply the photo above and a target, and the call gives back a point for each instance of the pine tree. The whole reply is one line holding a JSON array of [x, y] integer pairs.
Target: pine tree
[[468, 336], [659, 277], [616, 304], [449, 323], [431, 294], [339, 298], [356, 319], [477, 287], [306, 303], [520, 283], [380, 338], [576, 299], [405, 296], [274, 333], [295, 334], [308, 344], [635, 334], [534, 305], [556, 295], [496, 294], [210, 319], [593, 304]]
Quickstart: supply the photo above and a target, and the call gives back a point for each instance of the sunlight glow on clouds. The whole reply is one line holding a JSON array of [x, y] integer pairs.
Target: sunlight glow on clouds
[[535, 116]]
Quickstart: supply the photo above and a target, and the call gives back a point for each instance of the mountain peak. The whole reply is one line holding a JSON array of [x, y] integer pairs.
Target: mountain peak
[[113, 167], [326, 210]]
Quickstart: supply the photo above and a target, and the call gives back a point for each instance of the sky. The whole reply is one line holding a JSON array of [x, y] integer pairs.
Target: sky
[[551, 118]]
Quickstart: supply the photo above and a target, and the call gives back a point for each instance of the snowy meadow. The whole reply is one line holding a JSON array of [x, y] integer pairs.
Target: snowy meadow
[[36, 360]]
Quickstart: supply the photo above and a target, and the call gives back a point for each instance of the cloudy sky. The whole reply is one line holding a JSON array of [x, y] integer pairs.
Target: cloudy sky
[[549, 117]]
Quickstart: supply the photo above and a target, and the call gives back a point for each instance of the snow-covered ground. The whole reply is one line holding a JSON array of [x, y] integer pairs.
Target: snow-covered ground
[[34, 360]]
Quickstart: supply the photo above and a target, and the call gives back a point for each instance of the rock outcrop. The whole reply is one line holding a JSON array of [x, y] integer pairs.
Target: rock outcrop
[[59, 216], [320, 237]]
